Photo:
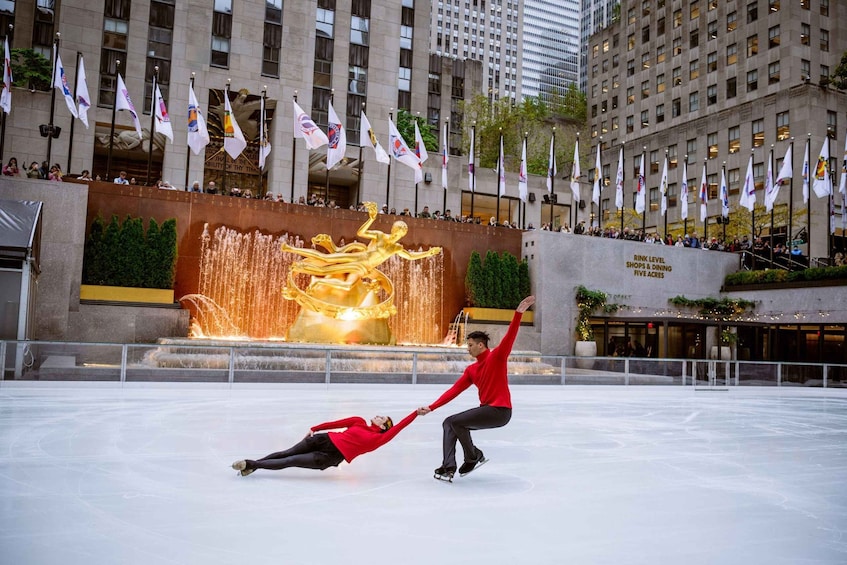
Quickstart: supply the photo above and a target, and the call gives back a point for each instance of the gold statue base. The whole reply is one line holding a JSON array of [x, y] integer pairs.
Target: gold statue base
[[314, 327]]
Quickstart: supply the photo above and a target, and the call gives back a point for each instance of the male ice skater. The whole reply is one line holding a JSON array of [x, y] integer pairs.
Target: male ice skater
[[495, 410], [321, 451]]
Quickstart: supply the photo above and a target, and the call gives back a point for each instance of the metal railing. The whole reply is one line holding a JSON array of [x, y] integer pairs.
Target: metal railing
[[27, 361]]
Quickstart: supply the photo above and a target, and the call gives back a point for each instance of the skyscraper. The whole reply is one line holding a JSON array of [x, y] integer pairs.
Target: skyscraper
[[594, 16], [550, 47]]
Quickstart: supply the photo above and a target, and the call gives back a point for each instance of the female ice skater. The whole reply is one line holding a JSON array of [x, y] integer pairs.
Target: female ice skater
[[495, 410], [321, 451]]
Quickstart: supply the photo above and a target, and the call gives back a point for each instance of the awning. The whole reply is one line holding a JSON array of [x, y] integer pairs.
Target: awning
[[20, 228]]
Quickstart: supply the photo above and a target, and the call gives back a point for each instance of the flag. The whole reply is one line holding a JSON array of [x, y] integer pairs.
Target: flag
[[336, 135], [401, 152], [124, 102], [704, 196], [598, 173], [724, 195], [198, 133], [806, 154], [831, 213], [471, 170], [367, 137], [6, 95], [163, 120], [748, 191], [771, 188], [575, 173], [551, 163], [306, 128], [663, 186], [60, 81], [639, 195], [842, 188], [821, 184], [234, 142], [264, 138], [444, 159], [501, 165], [683, 193], [619, 182], [83, 99], [787, 169], [522, 189], [420, 148]]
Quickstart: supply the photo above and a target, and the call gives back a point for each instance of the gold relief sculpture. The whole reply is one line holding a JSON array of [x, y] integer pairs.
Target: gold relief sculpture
[[348, 299]]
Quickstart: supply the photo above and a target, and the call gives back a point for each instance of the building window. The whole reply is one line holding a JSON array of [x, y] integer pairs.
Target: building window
[[752, 45], [731, 54], [731, 87], [616, 59], [630, 124], [660, 113], [824, 7], [159, 41], [773, 5], [734, 137], [615, 123], [645, 89], [630, 68], [358, 80], [630, 95], [758, 130], [673, 159], [677, 46], [694, 38], [677, 18], [804, 4], [359, 30], [676, 108], [693, 101], [805, 34], [712, 62], [630, 42], [645, 60], [677, 76], [693, 69], [660, 83], [42, 29], [712, 145], [712, 94], [731, 21], [272, 40], [712, 29], [406, 37], [824, 40], [783, 130], [645, 34], [660, 54], [831, 124], [660, 26], [221, 33], [773, 37], [759, 175], [805, 69], [694, 10], [773, 72], [824, 71], [654, 162], [115, 32], [752, 12], [605, 46], [645, 118], [752, 80], [691, 152], [713, 5]]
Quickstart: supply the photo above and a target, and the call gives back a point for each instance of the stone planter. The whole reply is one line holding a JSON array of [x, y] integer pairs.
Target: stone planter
[[584, 349], [497, 315], [126, 294], [725, 353]]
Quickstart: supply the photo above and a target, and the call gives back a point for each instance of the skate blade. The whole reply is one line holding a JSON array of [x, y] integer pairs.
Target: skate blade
[[443, 478], [477, 466]]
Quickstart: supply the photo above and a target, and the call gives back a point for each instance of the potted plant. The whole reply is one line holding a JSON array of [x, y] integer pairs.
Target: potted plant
[[727, 338], [587, 302]]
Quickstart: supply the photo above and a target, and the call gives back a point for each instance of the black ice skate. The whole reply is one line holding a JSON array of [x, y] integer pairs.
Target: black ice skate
[[444, 474], [472, 464]]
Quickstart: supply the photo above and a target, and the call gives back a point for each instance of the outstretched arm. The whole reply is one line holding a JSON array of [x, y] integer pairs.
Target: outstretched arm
[[413, 255]]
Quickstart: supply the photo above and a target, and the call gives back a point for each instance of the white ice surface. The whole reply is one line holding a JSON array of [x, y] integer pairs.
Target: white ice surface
[[580, 476]]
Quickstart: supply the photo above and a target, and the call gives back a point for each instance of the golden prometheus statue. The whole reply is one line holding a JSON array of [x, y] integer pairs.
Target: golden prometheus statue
[[348, 299]]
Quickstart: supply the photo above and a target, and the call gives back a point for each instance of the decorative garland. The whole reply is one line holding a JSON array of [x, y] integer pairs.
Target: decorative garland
[[587, 301], [716, 308]]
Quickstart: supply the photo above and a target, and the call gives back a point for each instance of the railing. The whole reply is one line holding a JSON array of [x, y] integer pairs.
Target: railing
[[27, 361]]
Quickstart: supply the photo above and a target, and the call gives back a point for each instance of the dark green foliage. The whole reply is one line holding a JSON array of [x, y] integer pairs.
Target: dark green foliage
[[494, 278], [406, 127], [523, 280], [773, 276], [587, 301], [715, 307], [511, 288], [122, 255], [30, 69], [473, 279], [499, 282]]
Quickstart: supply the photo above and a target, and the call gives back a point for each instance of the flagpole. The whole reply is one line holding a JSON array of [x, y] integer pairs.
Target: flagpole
[[753, 210], [188, 149], [706, 219], [388, 175], [152, 124], [263, 179], [473, 171], [3, 123], [293, 155], [665, 196], [71, 134], [359, 182], [52, 97], [416, 184], [500, 172], [523, 217], [643, 182], [829, 218], [623, 203], [447, 149], [552, 180], [685, 183], [112, 131], [809, 201], [574, 206], [599, 172], [326, 187], [769, 168], [791, 197], [223, 147]]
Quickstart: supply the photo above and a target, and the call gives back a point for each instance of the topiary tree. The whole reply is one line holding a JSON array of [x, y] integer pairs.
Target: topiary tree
[[153, 274], [131, 261], [523, 280], [511, 289], [92, 262], [493, 279], [474, 279], [110, 250], [168, 253]]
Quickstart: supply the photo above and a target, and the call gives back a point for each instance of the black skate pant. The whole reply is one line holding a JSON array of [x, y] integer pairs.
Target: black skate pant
[[459, 426], [316, 452]]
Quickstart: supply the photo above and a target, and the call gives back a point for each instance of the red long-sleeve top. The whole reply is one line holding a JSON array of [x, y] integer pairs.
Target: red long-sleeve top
[[489, 373], [360, 436]]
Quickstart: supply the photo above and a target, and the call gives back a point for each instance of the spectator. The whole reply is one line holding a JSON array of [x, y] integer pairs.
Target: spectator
[[133, 181], [211, 188], [33, 172], [195, 187], [301, 200], [11, 168], [121, 178], [55, 174], [44, 170], [85, 175], [425, 213]]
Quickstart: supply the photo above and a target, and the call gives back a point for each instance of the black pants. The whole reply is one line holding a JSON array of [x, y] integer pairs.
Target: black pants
[[459, 426], [316, 452]]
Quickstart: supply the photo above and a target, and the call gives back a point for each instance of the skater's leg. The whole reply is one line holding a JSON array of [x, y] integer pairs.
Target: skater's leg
[[306, 445], [481, 418], [449, 445], [315, 460]]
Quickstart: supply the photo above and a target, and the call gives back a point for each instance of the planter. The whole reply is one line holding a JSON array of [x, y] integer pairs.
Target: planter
[[126, 294], [498, 315], [725, 353], [584, 349]]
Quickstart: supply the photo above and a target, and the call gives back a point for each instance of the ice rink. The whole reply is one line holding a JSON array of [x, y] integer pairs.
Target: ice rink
[[582, 475]]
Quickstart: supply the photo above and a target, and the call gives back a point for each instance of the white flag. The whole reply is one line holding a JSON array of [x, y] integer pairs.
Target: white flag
[[771, 188], [831, 213], [724, 195], [367, 137], [704, 196], [598, 174], [501, 190], [639, 195], [748, 191], [60, 81], [6, 95], [575, 173], [401, 152], [683, 193], [663, 186], [806, 154], [198, 133], [842, 185], [420, 148], [306, 128], [336, 135], [264, 137], [786, 171], [83, 99], [124, 102], [619, 182], [444, 159], [821, 184], [471, 170], [234, 142], [163, 119], [551, 163], [522, 188]]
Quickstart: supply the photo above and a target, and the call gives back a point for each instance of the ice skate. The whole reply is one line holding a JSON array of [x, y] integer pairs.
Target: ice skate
[[242, 467], [444, 474], [471, 465]]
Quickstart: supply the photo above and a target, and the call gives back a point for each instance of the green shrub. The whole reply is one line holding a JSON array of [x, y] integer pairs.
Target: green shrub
[[498, 282]]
